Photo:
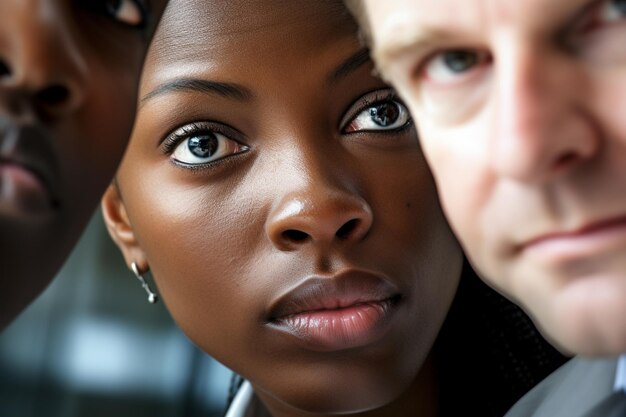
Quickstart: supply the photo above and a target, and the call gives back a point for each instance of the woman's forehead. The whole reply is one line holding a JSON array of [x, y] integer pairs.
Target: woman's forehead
[[218, 18], [206, 36]]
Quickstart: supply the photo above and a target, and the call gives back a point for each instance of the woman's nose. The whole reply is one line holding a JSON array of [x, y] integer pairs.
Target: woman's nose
[[41, 64], [318, 216]]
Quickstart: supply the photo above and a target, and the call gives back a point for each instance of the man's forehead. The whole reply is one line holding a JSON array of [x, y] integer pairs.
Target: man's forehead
[[398, 25]]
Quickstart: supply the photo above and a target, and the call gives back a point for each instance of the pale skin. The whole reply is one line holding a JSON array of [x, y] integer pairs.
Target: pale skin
[[522, 121]]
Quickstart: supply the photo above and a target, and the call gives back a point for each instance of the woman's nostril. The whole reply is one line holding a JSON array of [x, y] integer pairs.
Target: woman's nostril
[[346, 230], [295, 235], [55, 94]]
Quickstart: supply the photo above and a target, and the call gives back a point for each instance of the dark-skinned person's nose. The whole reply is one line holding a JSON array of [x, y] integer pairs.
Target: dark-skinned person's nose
[[42, 68], [320, 216]]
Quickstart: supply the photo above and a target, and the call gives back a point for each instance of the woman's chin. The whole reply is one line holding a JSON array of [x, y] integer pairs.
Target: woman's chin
[[343, 398]]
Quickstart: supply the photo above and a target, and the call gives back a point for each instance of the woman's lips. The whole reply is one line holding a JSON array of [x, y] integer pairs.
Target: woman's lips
[[348, 310]]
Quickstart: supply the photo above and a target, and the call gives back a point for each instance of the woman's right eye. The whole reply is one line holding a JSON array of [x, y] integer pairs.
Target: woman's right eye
[[453, 65], [204, 147]]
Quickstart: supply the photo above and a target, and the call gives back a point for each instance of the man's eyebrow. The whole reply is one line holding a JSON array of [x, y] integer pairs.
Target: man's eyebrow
[[407, 40], [350, 65], [228, 90]]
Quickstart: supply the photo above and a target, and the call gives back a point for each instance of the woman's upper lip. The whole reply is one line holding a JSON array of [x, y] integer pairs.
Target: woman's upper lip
[[31, 147], [584, 229], [342, 290]]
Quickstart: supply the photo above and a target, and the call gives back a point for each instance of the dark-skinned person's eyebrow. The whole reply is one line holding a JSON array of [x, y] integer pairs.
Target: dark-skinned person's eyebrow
[[350, 65], [227, 90]]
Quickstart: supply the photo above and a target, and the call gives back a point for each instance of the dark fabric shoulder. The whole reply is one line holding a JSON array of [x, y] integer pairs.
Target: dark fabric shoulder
[[489, 352]]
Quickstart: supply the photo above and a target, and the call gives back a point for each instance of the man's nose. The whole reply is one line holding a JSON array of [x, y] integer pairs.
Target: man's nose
[[41, 64], [542, 128]]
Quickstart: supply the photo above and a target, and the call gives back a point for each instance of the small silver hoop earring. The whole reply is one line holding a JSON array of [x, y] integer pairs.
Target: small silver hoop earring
[[152, 297]]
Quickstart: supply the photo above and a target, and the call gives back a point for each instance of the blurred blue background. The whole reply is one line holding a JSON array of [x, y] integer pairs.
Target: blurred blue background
[[92, 345]]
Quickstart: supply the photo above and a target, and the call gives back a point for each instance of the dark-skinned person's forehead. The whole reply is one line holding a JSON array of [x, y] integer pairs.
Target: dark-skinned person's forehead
[[240, 16], [178, 39]]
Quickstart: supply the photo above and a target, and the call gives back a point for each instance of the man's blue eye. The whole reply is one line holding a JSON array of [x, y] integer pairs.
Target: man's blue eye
[[459, 61]]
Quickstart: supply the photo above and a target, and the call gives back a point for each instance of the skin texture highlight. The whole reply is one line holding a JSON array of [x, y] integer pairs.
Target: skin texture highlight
[[521, 109], [69, 72], [303, 185]]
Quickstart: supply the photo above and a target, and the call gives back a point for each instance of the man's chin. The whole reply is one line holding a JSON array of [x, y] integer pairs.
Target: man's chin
[[588, 317]]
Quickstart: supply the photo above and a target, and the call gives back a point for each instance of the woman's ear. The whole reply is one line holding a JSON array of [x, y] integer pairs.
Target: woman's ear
[[120, 228]]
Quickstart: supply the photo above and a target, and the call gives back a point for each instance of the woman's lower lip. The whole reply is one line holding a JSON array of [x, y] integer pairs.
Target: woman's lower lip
[[339, 329]]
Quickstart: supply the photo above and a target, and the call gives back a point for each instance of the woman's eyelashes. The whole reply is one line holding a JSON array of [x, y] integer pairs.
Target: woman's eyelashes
[[378, 112], [197, 145], [131, 13]]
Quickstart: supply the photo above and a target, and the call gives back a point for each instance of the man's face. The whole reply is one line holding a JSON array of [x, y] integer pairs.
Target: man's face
[[521, 108], [69, 71]]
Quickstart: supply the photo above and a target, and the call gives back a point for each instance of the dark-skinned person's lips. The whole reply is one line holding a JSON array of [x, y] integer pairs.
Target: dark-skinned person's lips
[[29, 171], [330, 313]]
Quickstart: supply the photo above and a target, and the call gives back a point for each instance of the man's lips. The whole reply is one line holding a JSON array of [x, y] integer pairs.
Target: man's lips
[[334, 313], [592, 237]]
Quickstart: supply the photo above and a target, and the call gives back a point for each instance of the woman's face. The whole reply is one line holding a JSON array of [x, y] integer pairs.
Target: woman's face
[[276, 190]]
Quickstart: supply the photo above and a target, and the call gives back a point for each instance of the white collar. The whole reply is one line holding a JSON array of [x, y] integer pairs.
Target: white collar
[[241, 402], [620, 374]]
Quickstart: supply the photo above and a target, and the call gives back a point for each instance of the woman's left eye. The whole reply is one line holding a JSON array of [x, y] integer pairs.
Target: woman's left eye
[[386, 114], [205, 147]]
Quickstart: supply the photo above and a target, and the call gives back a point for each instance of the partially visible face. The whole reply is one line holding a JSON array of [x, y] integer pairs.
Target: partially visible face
[[69, 72], [276, 190], [522, 109]]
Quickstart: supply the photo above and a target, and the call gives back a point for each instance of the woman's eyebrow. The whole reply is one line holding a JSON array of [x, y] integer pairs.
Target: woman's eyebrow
[[227, 90], [350, 65]]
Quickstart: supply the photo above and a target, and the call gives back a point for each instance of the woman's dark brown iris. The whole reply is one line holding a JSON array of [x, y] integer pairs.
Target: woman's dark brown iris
[[385, 114]]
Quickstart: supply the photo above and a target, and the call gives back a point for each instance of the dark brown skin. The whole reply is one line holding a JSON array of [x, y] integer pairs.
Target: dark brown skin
[[69, 72], [225, 238]]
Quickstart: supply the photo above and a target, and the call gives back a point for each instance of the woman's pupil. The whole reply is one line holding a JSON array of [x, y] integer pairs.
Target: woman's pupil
[[384, 114], [203, 146]]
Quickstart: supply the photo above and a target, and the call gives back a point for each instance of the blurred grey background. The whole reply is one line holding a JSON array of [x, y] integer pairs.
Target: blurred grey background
[[92, 345]]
